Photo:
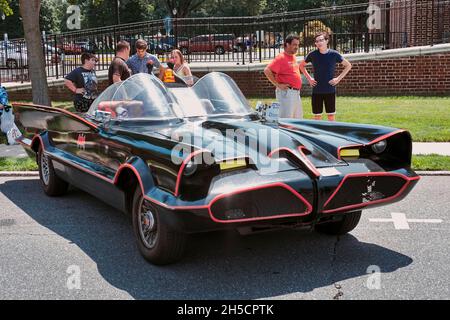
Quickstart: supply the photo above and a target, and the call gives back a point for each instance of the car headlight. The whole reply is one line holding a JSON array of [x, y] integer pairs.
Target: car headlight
[[190, 168], [379, 147]]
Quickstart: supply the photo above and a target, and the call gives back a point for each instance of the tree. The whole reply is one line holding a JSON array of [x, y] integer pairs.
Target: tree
[[310, 29], [12, 24], [5, 9], [183, 7], [29, 9], [234, 8]]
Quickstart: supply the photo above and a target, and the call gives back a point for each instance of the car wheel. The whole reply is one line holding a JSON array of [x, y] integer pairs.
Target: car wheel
[[219, 50], [184, 51], [348, 223], [157, 241], [11, 64], [52, 184]]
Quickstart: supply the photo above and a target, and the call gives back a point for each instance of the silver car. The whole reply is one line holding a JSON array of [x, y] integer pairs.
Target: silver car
[[13, 57]]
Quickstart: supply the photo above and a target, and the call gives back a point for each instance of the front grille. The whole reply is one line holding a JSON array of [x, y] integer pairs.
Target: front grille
[[364, 190], [259, 204]]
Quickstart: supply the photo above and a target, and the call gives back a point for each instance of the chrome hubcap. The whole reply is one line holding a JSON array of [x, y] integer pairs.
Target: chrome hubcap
[[147, 225], [45, 171]]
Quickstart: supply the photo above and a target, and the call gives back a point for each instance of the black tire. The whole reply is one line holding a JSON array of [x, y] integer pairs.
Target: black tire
[[52, 184], [348, 223], [219, 50], [168, 245], [11, 64]]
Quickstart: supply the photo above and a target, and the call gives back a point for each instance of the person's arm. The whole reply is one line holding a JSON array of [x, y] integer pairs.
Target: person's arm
[[71, 86], [347, 67], [269, 74], [302, 67], [161, 72], [187, 70], [188, 74], [117, 72]]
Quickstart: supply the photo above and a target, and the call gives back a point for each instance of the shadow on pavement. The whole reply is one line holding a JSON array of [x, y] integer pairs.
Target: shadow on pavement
[[220, 265]]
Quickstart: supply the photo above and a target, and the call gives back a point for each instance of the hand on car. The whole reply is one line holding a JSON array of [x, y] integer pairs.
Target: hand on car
[[334, 82]]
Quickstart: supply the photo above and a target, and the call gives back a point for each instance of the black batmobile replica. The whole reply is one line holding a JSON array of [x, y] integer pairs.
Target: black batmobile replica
[[185, 159]]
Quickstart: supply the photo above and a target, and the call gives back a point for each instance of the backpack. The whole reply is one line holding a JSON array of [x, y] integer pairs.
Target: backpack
[[7, 124], [3, 96]]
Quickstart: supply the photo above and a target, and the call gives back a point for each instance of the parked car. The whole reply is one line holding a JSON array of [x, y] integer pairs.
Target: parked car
[[170, 40], [86, 45], [52, 54], [13, 57], [49, 49], [217, 43], [163, 153], [156, 46], [70, 48]]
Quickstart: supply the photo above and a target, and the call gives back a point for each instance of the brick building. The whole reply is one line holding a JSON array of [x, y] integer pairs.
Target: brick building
[[414, 22]]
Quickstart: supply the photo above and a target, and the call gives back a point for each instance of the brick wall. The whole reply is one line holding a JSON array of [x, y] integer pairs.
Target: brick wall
[[414, 75], [427, 74], [416, 22], [411, 75]]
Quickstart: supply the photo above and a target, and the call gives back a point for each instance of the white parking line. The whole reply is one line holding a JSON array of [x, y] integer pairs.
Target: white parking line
[[402, 223]]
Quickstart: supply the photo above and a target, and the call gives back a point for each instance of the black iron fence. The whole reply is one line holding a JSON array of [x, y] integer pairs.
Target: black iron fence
[[365, 27]]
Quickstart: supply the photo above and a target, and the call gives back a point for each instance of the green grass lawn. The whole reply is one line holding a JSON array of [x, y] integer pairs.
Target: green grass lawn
[[431, 163], [18, 164], [427, 118], [420, 163]]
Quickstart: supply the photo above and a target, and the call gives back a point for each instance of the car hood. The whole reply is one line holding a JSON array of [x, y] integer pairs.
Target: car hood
[[262, 143]]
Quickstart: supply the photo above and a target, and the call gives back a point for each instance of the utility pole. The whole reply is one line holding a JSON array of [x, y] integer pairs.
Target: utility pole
[[118, 12]]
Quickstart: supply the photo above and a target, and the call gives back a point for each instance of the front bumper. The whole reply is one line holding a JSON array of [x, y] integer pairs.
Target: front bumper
[[247, 198]]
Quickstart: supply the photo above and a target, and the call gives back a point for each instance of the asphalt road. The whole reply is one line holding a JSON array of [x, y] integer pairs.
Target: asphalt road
[[45, 243]]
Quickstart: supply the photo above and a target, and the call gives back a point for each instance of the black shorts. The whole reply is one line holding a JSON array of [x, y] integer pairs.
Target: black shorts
[[321, 99], [82, 105]]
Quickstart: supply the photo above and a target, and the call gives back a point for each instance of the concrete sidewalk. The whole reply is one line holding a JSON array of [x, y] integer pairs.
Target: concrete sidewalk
[[423, 148]]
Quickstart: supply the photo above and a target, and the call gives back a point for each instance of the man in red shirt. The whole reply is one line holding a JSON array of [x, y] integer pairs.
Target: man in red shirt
[[284, 73]]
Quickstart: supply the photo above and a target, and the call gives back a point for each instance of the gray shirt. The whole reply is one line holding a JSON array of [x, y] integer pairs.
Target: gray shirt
[[138, 65]]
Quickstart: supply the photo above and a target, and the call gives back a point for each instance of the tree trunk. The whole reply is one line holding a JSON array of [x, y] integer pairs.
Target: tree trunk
[[29, 10]]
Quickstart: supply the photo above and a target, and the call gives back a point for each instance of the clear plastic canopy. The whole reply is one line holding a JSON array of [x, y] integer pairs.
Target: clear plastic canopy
[[144, 96], [140, 96]]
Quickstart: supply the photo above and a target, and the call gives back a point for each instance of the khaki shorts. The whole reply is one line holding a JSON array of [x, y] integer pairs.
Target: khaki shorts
[[290, 103]]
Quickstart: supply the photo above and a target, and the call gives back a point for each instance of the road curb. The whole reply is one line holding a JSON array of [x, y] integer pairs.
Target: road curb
[[433, 173], [36, 173], [19, 174]]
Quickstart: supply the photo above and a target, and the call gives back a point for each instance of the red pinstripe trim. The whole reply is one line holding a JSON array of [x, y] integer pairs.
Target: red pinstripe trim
[[129, 166], [183, 165], [388, 135], [369, 174], [308, 163], [79, 167], [271, 185], [59, 111], [302, 157], [198, 207]]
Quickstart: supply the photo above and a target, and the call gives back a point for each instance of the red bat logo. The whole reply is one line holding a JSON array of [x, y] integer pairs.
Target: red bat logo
[[81, 142]]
